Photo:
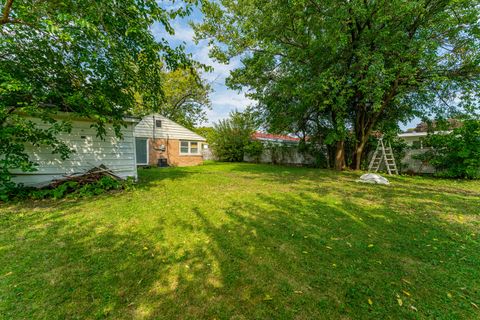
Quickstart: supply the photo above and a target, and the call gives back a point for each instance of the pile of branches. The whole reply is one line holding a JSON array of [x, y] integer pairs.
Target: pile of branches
[[90, 176]]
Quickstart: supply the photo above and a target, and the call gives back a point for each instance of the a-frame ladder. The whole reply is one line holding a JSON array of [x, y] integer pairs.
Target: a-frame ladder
[[381, 155]]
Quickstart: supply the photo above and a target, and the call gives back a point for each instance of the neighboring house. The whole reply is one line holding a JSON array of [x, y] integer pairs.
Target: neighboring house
[[89, 151], [413, 139], [281, 149], [275, 138], [160, 142]]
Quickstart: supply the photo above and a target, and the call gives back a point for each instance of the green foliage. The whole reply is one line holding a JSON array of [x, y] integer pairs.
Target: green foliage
[[319, 152], [184, 99], [280, 153], [84, 57], [232, 135], [206, 132], [254, 149], [71, 189], [321, 68], [455, 155]]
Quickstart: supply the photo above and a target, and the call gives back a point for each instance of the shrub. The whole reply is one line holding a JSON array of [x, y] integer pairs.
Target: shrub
[[254, 149], [232, 135], [71, 189], [455, 155]]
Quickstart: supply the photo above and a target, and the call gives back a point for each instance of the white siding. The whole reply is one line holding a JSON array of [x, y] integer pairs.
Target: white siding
[[171, 130], [90, 151]]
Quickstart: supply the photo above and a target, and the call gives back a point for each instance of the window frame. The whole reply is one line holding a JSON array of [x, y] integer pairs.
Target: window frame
[[190, 153]]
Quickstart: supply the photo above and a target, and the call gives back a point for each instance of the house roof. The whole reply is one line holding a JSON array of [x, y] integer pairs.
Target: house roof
[[273, 137]]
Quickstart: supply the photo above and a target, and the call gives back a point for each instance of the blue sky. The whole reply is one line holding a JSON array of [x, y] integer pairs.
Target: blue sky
[[223, 99]]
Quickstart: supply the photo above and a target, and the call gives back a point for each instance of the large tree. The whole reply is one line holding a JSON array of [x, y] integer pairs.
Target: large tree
[[185, 97], [87, 57], [333, 67]]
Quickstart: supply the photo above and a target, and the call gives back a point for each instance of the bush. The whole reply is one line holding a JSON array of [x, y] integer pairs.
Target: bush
[[455, 155], [231, 136], [254, 149]]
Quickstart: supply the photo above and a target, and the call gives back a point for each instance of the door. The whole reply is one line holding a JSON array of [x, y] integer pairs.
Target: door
[[141, 150]]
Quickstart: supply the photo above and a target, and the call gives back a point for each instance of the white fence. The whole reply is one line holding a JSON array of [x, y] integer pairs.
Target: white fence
[[289, 156]]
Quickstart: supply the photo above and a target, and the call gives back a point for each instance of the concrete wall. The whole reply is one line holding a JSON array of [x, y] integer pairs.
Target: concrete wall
[[292, 157], [410, 164]]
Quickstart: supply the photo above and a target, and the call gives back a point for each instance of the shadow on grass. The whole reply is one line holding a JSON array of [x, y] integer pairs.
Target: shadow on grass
[[284, 256], [320, 252]]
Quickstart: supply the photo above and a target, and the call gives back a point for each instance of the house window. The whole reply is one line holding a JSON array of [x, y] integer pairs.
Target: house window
[[184, 147], [193, 147], [158, 123], [189, 147]]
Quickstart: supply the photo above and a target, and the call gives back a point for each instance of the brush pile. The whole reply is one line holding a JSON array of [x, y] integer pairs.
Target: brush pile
[[91, 176]]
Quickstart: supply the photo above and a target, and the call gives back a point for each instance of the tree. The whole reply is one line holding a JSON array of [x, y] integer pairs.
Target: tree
[[206, 132], [455, 155], [231, 136], [85, 57], [184, 98], [332, 67]]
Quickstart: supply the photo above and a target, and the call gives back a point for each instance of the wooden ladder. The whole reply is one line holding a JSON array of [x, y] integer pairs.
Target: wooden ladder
[[381, 155]]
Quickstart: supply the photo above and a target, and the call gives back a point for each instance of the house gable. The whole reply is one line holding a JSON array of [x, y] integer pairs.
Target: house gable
[[168, 129]]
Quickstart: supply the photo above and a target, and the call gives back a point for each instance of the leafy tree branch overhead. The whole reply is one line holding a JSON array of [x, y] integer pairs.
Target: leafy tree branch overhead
[[329, 68], [85, 57]]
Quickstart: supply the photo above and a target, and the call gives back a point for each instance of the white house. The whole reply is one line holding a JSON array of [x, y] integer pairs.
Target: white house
[[89, 151], [161, 141]]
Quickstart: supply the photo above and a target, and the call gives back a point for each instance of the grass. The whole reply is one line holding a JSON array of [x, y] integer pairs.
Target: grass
[[244, 241]]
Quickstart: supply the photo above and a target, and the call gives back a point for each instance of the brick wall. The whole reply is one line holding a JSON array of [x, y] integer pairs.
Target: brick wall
[[172, 153]]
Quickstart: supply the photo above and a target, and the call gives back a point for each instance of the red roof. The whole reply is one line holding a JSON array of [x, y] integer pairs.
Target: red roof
[[268, 136]]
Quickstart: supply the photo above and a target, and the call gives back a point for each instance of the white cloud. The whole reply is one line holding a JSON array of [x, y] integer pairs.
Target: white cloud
[[224, 101], [220, 70], [183, 32]]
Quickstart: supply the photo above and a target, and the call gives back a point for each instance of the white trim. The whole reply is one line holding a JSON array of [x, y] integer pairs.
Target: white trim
[[420, 134], [135, 157]]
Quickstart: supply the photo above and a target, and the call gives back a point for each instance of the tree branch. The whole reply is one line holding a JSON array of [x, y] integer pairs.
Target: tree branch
[[6, 13]]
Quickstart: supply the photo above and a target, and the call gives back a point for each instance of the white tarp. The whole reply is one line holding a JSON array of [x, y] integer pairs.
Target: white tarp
[[373, 178]]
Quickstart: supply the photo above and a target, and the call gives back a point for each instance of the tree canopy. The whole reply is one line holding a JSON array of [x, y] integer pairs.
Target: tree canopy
[[86, 57], [456, 154], [185, 97], [334, 68]]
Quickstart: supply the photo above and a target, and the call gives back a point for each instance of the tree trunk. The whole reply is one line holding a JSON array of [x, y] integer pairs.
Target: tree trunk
[[358, 153], [340, 155]]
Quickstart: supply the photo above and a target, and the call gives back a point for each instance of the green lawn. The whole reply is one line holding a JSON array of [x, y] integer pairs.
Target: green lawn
[[244, 241]]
